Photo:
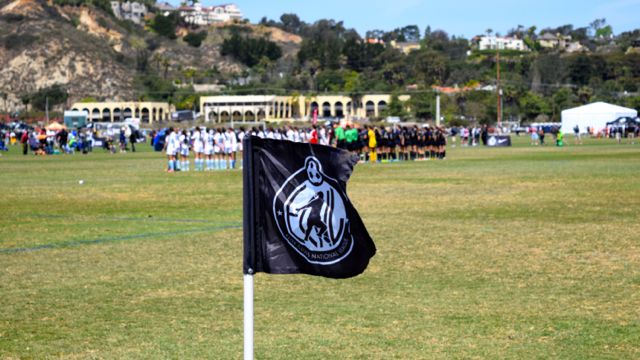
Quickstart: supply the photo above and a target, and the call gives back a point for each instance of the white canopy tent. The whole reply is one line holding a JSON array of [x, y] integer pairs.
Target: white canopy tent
[[595, 115]]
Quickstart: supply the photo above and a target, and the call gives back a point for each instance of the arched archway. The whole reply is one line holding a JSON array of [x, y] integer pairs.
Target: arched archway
[[237, 116], [126, 113], [106, 115], [349, 110], [74, 109], [117, 114], [95, 115], [224, 117], [261, 114], [160, 114], [145, 115], [281, 110], [248, 115], [326, 109], [137, 113], [339, 110], [154, 115], [87, 110], [370, 108], [382, 105], [213, 116]]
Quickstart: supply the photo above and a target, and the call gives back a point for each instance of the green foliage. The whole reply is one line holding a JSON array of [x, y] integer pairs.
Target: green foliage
[[238, 29], [330, 80], [55, 94], [396, 107], [156, 89], [88, 100], [195, 39], [250, 51], [104, 5], [18, 41], [534, 105], [165, 25]]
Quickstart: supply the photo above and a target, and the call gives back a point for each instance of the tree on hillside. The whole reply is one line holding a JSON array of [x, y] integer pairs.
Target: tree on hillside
[[157, 58], [429, 67], [165, 25], [54, 94], [166, 62]]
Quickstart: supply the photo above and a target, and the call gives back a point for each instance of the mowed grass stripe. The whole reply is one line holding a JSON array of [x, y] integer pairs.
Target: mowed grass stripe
[[115, 239]]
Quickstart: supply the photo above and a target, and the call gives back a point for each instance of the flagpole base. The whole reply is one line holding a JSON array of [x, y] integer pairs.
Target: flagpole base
[[248, 316]]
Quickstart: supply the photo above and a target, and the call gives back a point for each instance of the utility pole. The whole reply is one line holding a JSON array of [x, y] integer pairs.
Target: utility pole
[[46, 108], [438, 108], [498, 84]]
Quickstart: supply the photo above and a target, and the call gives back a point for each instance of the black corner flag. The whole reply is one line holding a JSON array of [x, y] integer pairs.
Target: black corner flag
[[297, 216]]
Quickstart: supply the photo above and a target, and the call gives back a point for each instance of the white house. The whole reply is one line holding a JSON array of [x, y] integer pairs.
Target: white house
[[203, 15], [501, 43], [594, 115], [134, 12]]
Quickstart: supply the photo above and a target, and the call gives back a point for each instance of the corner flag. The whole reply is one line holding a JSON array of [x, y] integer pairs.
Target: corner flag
[[297, 216]]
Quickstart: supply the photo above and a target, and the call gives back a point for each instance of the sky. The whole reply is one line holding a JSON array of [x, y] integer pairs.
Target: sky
[[457, 17]]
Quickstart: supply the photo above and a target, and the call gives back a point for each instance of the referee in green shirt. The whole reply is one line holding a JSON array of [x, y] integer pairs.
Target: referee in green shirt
[[339, 133]]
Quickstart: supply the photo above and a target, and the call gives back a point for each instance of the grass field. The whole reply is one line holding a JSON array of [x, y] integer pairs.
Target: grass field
[[503, 253]]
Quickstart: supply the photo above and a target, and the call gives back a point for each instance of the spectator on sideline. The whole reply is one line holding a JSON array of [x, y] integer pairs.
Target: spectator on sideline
[[485, 134], [576, 130]]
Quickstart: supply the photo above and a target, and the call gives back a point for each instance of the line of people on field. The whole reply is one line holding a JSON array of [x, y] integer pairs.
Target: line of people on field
[[215, 149]]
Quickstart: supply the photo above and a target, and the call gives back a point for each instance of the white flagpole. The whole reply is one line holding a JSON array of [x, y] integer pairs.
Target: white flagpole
[[248, 315]]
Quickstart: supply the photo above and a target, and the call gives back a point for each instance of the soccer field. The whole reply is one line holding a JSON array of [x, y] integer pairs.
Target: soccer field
[[495, 253]]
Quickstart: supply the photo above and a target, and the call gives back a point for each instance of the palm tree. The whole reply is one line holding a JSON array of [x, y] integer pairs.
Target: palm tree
[[489, 31], [356, 102], [157, 58], [166, 62]]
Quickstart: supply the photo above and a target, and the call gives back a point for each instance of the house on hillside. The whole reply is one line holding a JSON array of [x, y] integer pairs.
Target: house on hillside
[[549, 40], [501, 43], [164, 7], [134, 12], [405, 47], [207, 15]]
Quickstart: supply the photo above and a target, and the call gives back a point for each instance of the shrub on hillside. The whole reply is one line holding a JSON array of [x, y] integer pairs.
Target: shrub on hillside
[[195, 39], [165, 25]]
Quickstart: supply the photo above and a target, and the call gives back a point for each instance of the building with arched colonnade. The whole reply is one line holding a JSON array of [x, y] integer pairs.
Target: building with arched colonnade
[[278, 108], [118, 111]]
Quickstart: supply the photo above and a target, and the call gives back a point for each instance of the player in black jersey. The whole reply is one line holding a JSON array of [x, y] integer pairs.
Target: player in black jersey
[[413, 141], [391, 144], [423, 143]]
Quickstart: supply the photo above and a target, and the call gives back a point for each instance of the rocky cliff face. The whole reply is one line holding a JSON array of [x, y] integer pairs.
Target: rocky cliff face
[[42, 47], [94, 55]]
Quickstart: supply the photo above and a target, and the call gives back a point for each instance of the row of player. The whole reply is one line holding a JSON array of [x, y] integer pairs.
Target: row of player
[[215, 149]]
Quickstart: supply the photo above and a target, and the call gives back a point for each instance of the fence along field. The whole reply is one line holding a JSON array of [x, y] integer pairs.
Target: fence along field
[[524, 252]]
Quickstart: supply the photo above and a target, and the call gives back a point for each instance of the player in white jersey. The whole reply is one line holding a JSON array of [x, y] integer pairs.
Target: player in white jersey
[[183, 139], [296, 135], [207, 139], [233, 141], [227, 149], [218, 148], [261, 133], [290, 136], [269, 134], [241, 136], [198, 148], [304, 138], [324, 139], [171, 146]]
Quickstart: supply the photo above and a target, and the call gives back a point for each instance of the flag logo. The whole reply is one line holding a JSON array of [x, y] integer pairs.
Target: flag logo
[[309, 209]]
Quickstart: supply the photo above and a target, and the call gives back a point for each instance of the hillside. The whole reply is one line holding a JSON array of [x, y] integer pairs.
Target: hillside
[[95, 55]]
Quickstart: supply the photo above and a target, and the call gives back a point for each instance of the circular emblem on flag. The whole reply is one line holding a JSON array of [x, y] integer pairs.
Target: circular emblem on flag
[[310, 212], [492, 141]]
